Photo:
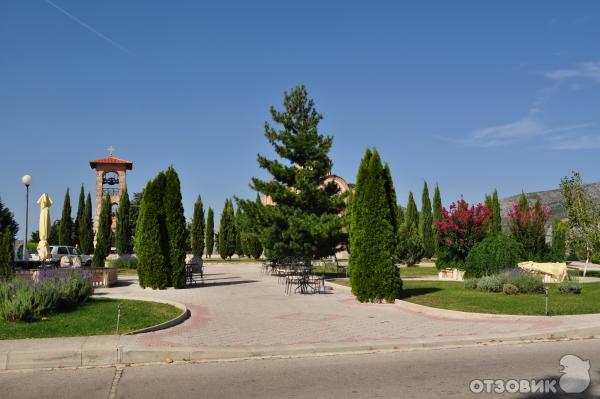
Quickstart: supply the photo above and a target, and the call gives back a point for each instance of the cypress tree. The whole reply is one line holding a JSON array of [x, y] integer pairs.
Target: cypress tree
[[210, 233], [226, 244], [53, 235], [7, 270], [411, 216], [425, 224], [80, 209], [437, 215], [175, 222], [86, 228], [496, 215], [197, 230], [7, 220], [104, 233], [238, 232], [151, 244], [374, 276], [305, 222], [65, 234], [123, 239], [400, 216]]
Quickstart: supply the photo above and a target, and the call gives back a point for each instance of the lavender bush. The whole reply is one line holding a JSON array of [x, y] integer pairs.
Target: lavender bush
[[52, 291]]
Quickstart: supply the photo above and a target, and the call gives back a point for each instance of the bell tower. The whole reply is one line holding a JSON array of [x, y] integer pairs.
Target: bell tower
[[110, 180]]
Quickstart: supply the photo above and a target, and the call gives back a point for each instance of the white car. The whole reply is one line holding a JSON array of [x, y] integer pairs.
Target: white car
[[58, 252]]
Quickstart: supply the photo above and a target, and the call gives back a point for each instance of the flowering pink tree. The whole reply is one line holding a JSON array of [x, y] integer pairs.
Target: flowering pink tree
[[461, 227], [527, 225]]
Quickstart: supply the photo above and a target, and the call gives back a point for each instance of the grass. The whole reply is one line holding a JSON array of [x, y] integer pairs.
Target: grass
[[418, 271], [453, 295], [97, 316]]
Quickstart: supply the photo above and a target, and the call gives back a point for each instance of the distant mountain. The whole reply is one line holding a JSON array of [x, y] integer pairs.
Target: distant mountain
[[550, 198]]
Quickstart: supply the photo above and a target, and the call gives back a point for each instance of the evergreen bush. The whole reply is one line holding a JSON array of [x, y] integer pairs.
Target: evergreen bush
[[175, 227], [495, 253], [123, 237], [210, 233], [374, 276], [197, 229]]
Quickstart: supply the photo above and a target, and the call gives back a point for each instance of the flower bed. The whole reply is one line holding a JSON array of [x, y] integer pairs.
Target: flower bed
[[50, 291]]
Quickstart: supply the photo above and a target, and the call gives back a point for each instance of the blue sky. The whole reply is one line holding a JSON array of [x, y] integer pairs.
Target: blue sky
[[472, 95]]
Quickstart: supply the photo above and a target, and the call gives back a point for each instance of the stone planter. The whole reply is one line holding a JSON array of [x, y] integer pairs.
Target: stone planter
[[451, 274]]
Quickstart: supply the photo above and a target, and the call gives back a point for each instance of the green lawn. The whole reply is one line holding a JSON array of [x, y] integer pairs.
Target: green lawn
[[127, 272], [418, 271], [94, 317], [453, 295]]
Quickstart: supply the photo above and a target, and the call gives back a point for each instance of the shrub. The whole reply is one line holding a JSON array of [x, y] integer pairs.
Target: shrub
[[410, 245], [471, 283], [495, 253], [53, 291], [461, 228], [527, 283], [129, 262], [491, 283], [569, 287], [510, 289]]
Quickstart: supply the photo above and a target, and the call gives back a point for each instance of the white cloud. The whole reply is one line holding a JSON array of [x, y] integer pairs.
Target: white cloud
[[585, 70], [507, 133], [526, 128], [585, 142]]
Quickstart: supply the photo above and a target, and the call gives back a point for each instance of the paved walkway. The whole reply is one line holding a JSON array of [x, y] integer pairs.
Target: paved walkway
[[239, 312]]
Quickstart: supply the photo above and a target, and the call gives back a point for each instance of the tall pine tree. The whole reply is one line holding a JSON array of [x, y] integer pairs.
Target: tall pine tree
[[86, 228], [305, 220], [210, 232], [374, 276], [80, 210], [425, 224], [104, 233], [175, 222], [65, 234], [123, 238], [227, 234], [197, 229]]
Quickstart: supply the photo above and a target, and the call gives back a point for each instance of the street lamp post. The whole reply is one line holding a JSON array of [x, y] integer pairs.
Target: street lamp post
[[26, 181]]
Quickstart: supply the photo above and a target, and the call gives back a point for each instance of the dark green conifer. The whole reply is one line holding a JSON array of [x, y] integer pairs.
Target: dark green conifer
[[104, 233], [426, 223], [175, 225], [374, 276], [123, 237], [65, 234], [197, 229], [210, 232]]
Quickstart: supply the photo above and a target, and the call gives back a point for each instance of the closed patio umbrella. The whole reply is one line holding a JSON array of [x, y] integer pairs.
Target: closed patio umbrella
[[45, 202]]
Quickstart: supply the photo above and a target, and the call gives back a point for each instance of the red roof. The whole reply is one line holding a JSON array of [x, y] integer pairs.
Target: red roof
[[111, 160]]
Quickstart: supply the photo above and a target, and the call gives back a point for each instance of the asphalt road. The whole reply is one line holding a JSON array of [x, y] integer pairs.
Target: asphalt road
[[433, 373]]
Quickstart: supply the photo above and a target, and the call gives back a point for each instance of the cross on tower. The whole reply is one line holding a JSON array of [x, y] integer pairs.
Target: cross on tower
[[111, 149]]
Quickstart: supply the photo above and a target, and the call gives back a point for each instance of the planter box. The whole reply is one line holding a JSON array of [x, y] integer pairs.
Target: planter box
[[451, 274]]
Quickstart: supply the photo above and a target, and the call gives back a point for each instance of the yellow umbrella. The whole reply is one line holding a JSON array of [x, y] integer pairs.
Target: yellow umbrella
[[45, 202]]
